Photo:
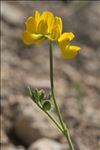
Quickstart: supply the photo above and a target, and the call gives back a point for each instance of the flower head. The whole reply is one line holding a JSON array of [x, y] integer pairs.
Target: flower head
[[67, 50], [47, 26], [40, 27]]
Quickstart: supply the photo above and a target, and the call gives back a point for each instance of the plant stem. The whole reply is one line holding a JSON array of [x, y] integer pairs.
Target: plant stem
[[65, 130], [59, 127], [67, 135], [52, 86], [52, 118]]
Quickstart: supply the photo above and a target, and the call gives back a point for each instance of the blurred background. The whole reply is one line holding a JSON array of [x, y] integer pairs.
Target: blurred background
[[77, 81]]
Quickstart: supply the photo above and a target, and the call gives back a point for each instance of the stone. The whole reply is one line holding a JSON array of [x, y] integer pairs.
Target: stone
[[12, 14], [31, 123], [3, 137], [8, 147], [47, 144]]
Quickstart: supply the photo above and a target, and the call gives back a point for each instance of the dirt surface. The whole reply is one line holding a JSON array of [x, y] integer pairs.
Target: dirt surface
[[77, 81]]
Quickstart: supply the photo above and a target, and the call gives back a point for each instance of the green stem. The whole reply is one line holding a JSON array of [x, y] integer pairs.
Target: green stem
[[67, 135], [52, 118], [52, 87], [59, 127], [65, 130]]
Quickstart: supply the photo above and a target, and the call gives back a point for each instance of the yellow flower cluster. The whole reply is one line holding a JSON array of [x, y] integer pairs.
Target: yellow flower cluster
[[47, 26]]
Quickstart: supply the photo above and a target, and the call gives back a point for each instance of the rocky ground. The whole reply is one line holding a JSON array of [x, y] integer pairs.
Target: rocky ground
[[77, 81]]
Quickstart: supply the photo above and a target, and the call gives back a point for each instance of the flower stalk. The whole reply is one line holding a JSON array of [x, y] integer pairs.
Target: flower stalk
[[64, 128]]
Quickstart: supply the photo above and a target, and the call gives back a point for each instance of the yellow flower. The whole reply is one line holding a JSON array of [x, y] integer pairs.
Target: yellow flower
[[40, 27], [47, 26], [67, 50]]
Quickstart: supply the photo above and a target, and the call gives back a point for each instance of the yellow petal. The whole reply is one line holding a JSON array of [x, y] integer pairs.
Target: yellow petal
[[67, 36], [70, 52], [74, 48], [26, 36], [49, 18], [31, 25], [58, 22], [55, 33], [37, 16], [38, 38], [32, 38], [64, 44], [42, 27], [39, 41]]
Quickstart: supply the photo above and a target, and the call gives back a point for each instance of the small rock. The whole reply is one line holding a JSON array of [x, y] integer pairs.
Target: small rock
[[11, 14], [71, 73], [8, 147], [46, 144], [3, 137], [31, 124], [20, 148], [44, 84]]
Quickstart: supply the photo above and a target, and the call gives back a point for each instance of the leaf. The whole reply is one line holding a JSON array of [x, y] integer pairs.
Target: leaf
[[50, 96], [36, 95], [46, 106], [29, 91], [41, 95], [31, 94]]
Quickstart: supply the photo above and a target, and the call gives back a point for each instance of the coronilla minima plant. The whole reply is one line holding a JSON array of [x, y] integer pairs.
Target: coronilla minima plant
[[39, 28]]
